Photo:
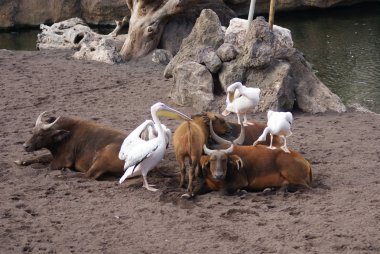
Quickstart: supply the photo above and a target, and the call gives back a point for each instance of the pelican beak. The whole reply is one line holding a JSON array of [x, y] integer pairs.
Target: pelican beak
[[231, 96], [172, 113]]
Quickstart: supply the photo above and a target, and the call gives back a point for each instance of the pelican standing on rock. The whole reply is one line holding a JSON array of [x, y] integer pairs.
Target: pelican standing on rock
[[143, 155], [278, 124], [241, 99]]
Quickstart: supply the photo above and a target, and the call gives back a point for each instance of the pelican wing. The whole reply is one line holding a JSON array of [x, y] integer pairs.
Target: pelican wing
[[133, 139], [140, 152]]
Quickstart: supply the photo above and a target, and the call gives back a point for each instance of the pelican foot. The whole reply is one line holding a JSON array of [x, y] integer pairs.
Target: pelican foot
[[285, 149], [150, 188], [246, 123], [272, 147]]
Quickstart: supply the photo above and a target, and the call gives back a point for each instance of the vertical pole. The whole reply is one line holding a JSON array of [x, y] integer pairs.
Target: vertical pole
[[271, 13], [251, 12]]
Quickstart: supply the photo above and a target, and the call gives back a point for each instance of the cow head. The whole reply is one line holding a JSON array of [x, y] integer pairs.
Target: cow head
[[44, 135], [218, 162]]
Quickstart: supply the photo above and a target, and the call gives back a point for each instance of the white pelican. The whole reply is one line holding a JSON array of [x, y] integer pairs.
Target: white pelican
[[143, 155], [278, 124], [151, 132], [240, 99]]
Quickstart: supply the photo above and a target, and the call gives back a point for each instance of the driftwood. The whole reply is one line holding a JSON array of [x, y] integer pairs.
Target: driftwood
[[148, 20]]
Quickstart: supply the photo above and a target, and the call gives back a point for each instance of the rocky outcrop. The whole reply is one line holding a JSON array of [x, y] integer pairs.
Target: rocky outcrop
[[75, 34], [241, 7], [16, 13], [207, 32], [193, 86], [264, 59]]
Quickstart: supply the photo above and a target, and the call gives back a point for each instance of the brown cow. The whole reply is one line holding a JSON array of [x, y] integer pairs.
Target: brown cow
[[252, 168], [77, 144]]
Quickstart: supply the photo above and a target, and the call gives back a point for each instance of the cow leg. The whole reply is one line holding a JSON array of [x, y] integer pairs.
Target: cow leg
[[96, 169], [191, 176], [182, 170], [43, 159]]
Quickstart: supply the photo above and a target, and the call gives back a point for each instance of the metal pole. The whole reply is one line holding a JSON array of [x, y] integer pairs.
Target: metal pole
[[251, 12], [271, 13]]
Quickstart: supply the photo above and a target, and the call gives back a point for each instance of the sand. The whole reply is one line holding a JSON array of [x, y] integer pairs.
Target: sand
[[45, 211]]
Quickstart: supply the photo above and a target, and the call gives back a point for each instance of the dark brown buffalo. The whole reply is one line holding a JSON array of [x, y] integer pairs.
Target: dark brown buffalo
[[77, 144]]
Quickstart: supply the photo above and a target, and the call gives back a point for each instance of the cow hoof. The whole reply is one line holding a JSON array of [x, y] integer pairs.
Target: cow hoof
[[187, 196], [20, 163]]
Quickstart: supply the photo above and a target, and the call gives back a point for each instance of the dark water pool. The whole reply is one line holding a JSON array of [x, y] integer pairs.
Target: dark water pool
[[343, 45]]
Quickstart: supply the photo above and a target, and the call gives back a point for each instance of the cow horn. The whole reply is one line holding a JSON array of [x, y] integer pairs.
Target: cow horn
[[206, 150], [240, 140], [228, 150], [39, 119], [42, 125], [216, 137]]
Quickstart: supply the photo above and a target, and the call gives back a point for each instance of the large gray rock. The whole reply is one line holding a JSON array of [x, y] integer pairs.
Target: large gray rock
[[193, 86], [276, 85], [208, 57], [269, 61], [207, 31], [227, 52], [36, 12], [29, 12], [75, 34]]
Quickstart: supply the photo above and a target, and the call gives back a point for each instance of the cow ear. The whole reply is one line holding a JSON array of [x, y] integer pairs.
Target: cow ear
[[236, 161], [204, 161], [60, 135]]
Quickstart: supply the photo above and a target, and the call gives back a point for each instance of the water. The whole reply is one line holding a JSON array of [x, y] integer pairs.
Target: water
[[342, 44]]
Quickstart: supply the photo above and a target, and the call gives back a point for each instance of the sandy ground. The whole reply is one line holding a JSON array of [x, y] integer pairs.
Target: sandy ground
[[44, 211]]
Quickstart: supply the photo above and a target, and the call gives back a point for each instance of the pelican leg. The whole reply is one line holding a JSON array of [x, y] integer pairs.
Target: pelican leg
[[284, 147], [271, 141], [246, 122], [146, 185]]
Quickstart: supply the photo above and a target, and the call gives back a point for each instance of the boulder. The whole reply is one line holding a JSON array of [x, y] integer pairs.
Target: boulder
[[276, 85], [102, 50], [162, 56], [193, 86], [236, 32], [208, 57], [227, 52], [68, 34], [75, 34], [17, 13], [207, 31]]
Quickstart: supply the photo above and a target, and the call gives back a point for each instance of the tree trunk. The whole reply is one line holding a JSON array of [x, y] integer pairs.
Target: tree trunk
[[149, 17]]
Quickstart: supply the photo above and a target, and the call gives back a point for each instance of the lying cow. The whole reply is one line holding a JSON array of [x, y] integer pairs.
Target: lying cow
[[77, 144], [252, 168]]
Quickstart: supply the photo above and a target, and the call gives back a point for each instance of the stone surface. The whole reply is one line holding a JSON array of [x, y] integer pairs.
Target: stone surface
[[29, 12], [193, 86], [16, 13], [74, 34], [162, 56], [227, 52], [207, 31], [208, 57]]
